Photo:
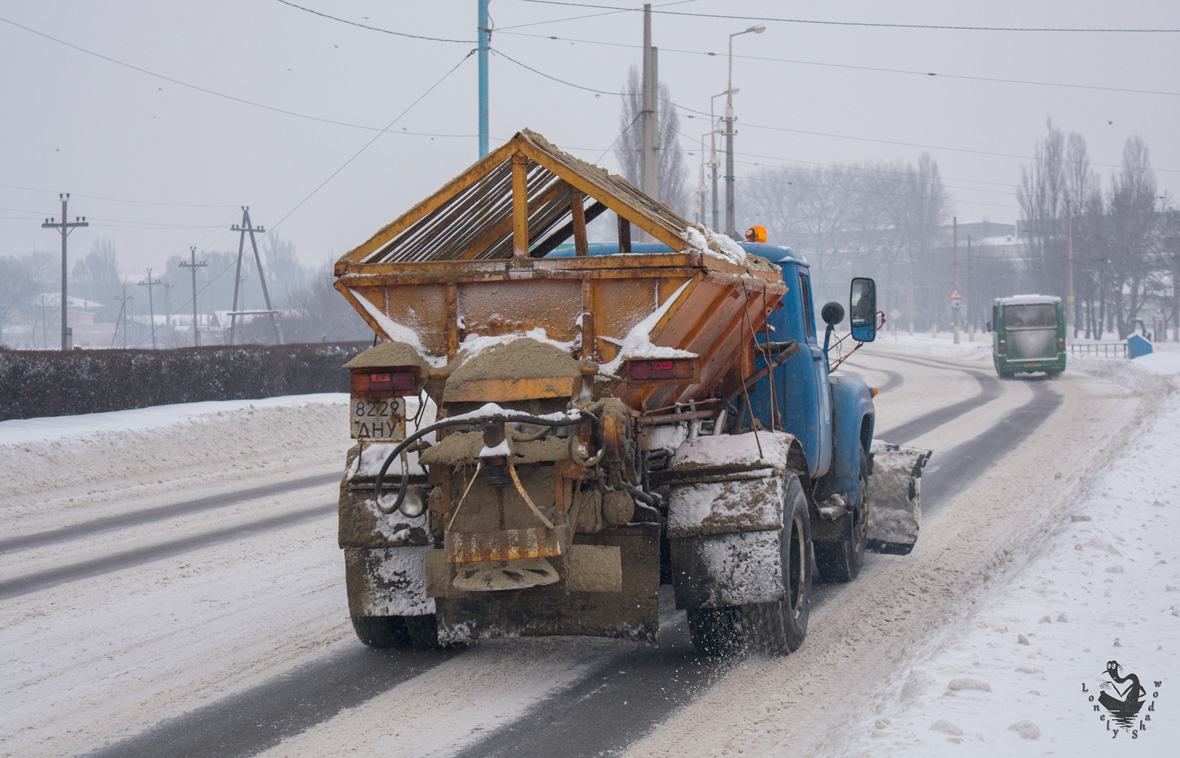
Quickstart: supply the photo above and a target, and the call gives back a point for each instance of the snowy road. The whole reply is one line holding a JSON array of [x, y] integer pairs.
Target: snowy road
[[181, 593]]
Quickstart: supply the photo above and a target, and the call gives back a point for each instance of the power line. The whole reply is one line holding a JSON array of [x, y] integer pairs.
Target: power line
[[870, 24], [222, 95], [375, 28], [849, 66], [337, 171], [587, 15], [554, 78], [119, 199]]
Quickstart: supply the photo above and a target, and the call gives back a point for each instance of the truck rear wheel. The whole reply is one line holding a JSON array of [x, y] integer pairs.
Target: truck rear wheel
[[423, 630], [841, 561], [382, 631], [777, 627]]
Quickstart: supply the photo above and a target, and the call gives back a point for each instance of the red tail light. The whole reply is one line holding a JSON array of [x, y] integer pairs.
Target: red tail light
[[1061, 344], [394, 381], [1001, 346], [673, 368]]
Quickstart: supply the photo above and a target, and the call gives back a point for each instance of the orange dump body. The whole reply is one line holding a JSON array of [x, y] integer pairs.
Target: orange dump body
[[593, 303], [469, 261]]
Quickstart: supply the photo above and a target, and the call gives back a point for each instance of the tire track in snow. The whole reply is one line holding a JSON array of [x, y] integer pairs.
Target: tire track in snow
[[989, 389], [42, 580], [263, 716], [151, 515]]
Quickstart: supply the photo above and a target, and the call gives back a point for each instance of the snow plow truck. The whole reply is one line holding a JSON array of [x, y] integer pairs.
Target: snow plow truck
[[548, 430]]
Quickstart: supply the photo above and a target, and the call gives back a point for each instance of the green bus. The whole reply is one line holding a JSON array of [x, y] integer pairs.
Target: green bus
[[1028, 335]]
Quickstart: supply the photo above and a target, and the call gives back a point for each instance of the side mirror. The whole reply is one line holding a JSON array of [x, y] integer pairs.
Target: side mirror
[[862, 305], [989, 326]]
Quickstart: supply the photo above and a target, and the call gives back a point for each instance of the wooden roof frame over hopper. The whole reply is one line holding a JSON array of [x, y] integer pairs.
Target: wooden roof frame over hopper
[[467, 260]]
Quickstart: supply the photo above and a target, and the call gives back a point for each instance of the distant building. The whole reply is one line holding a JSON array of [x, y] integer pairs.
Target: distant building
[[36, 324]]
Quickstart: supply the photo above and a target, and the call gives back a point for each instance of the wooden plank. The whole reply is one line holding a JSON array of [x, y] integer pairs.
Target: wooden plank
[[507, 223], [624, 235], [609, 196], [578, 211], [520, 206], [452, 306], [588, 318], [449, 190]]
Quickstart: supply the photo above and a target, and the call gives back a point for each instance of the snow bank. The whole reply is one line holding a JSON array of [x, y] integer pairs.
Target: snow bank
[[1105, 587]]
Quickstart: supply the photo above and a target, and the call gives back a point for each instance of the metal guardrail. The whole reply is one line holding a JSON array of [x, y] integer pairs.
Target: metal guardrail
[[1104, 349]]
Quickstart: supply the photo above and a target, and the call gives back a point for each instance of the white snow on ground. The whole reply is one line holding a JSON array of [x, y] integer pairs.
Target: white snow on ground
[[79, 428], [1105, 586]]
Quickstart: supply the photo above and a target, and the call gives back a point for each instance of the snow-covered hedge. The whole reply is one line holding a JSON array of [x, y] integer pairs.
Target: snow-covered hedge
[[37, 383]]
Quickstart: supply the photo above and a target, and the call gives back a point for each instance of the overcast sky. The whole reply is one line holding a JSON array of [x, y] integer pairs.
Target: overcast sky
[[163, 117]]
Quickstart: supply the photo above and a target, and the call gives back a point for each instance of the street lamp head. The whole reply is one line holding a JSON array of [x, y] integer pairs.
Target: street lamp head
[[757, 29]]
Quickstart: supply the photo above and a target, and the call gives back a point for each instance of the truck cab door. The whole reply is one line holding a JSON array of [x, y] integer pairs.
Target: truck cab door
[[817, 444]]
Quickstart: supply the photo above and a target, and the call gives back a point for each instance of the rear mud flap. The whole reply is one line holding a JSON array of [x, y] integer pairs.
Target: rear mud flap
[[894, 489]]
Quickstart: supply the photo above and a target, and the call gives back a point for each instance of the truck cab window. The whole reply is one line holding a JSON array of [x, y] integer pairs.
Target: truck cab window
[[808, 311]]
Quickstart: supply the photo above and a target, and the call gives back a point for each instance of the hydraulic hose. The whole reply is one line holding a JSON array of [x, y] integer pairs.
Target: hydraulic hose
[[405, 480]]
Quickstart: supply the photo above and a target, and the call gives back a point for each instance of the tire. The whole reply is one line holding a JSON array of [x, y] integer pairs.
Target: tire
[[841, 561], [382, 631], [777, 627]]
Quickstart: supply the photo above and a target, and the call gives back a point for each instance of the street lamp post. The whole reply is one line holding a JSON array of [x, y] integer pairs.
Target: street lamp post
[[730, 224], [713, 162]]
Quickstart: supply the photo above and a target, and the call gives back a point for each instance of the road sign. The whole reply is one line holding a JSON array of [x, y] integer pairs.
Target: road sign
[[894, 314], [955, 294], [955, 305]]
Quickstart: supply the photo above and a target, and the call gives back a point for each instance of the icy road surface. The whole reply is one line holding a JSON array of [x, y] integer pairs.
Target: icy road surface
[[171, 586]]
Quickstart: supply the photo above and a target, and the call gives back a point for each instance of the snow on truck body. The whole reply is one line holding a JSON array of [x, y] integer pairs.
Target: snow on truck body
[[603, 419]]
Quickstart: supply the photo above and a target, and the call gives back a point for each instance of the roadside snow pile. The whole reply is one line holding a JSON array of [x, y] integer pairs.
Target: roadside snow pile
[[1027, 673], [163, 445]]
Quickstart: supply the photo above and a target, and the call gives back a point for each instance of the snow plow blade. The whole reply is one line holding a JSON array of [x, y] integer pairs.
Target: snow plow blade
[[894, 488]]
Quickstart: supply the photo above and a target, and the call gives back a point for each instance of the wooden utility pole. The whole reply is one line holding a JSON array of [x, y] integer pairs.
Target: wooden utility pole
[[65, 227], [151, 304], [247, 228], [192, 252], [122, 318]]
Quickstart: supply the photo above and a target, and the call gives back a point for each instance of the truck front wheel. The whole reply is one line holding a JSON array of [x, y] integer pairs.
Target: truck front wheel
[[841, 561], [777, 627]]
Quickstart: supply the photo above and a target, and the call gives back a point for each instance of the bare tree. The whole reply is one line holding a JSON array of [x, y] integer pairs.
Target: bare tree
[[673, 173], [1132, 212], [1169, 257], [1042, 196], [96, 277]]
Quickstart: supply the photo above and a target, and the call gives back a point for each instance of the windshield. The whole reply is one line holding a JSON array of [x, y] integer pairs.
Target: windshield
[[1039, 316]]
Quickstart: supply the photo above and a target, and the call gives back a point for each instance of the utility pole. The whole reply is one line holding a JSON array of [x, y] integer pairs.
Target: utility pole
[[485, 42], [66, 226], [730, 223], [714, 163], [954, 303], [970, 302], [247, 228], [1070, 331], [151, 304], [193, 265], [122, 318], [649, 122]]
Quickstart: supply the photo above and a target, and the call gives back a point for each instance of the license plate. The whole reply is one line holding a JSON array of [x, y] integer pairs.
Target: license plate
[[379, 419]]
